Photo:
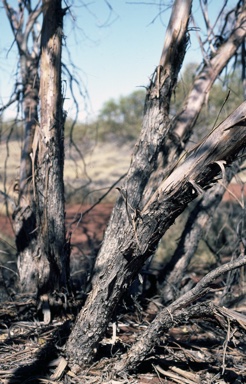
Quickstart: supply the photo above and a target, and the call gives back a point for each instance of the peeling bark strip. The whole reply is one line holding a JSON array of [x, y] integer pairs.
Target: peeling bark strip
[[214, 150]]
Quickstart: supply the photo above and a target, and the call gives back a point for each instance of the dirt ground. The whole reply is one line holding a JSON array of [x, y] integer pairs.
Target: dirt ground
[[86, 228]]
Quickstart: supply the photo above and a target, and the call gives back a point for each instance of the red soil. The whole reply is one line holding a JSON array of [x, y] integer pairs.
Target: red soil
[[85, 228], [235, 190]]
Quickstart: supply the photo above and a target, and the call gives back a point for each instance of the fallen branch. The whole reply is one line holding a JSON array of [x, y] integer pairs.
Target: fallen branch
[[170, 315]]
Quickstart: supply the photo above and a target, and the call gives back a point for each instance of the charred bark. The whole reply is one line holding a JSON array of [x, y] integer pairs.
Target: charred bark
[[43, 254]]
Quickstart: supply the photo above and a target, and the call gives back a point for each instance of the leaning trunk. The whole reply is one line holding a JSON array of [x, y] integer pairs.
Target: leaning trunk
[[121, 256]]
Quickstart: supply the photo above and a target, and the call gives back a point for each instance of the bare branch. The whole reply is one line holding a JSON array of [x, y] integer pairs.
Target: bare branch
[[13, 98], [32, 19], [14, 24], [160, 324]]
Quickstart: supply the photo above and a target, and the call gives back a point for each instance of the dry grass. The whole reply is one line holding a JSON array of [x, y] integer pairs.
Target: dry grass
[[100, 167]]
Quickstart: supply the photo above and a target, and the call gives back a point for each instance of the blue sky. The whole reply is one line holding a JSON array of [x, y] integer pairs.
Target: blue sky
[[116, 52]]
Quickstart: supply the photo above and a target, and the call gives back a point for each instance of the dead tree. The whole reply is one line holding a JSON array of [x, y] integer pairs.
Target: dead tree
[[143, 213]]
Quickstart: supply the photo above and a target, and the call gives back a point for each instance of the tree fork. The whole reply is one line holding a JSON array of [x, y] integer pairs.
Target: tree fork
[[181, 127], [116, 264]]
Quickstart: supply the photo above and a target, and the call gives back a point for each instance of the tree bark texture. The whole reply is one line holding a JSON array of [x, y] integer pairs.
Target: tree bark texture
[[198, 222], [124, 255], [28, 61], [43, 253], [30, 107]]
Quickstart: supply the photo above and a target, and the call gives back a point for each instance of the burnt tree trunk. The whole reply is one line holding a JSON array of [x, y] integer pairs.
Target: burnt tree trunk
[[121, 257], [43, 255]]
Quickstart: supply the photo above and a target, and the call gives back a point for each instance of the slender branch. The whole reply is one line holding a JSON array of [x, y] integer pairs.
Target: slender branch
[[98, 201], [13, 98], [32, 19], [14, 24]]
